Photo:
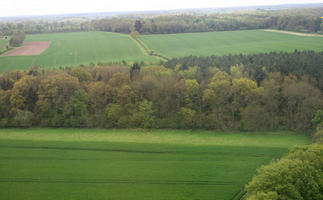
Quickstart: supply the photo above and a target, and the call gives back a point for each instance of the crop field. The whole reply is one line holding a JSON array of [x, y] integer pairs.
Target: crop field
[[37, 164], [229, 42], [70, 49]]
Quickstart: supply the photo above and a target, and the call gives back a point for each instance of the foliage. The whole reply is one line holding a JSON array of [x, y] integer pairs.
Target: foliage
[[157, 97], [318, 118], [17, 39], [302, 20], [298, 175]]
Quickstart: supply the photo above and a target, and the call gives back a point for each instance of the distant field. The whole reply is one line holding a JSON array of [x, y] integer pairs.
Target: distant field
[[81, 164], [229, 42], [68, 49]]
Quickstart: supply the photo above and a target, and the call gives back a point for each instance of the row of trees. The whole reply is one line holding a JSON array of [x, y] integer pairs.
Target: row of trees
[[302, 20], [157, 97]]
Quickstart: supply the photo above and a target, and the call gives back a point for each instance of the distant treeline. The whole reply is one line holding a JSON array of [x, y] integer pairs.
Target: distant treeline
[[301, 20], [224, 96]]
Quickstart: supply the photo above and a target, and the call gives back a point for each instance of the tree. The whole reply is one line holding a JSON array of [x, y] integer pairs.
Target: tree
[[318, 118], [298, 175], [186, 118], [134, 71], [24, 94], [54, 92], [138, 26], [144, 117], [112, 115], [76, 112], [23, 118], [17, 39]]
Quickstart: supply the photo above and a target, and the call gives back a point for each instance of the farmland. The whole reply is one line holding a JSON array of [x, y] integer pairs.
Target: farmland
[[133, 164], [70, 49], [228, 42]]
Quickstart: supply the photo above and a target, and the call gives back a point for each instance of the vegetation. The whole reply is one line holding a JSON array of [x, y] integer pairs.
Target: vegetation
[[2, 42], [96, 164], [186, 96], [71, 49], [302, 20], [224, 43], [302, 64], [17, 39], [298, 175]]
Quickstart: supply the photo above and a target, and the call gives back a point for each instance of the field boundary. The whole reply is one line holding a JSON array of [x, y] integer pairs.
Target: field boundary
[[147, 50], [293, 33]]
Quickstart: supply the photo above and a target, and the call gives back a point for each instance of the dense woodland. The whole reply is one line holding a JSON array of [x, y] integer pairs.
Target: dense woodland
[[222, 95], [301, 20]]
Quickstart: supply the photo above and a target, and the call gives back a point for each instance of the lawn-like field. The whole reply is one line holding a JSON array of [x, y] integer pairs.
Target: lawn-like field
[[51, 164], [70, 49], [2, 42], [229, 42]]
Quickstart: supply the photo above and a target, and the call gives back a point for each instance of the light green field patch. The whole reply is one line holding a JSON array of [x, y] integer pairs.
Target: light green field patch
[[229, 42], [84, 164], [2, 42], [71, 49]]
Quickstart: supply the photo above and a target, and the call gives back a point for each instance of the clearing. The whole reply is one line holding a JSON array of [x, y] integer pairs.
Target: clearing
[[28, 49], [84, 164], [228, 42]]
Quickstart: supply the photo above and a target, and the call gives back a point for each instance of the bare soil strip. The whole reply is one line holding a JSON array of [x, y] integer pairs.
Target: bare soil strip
[[294, 33], [29, 49]]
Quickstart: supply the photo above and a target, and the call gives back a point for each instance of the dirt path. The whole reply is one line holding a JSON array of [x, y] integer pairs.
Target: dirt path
[[294, 33]]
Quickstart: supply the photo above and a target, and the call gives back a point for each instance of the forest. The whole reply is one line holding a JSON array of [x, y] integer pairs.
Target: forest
[[221, 93], [300, 20]]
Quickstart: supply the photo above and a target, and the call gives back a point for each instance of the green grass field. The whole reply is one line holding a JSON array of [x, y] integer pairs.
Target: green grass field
[[2, 41], [70, 49], [51, 164], [228, 42]]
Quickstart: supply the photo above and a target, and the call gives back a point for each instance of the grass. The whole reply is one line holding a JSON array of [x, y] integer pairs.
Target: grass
[[229, 42], [133, 164], [71, 49], [2, 41]]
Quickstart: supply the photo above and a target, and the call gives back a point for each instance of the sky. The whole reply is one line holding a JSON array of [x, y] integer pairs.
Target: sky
[[46, 7]]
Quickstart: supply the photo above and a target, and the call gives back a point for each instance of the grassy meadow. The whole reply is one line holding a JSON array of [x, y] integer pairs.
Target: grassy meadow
[[70, 49], [2, 42], [229, 42], [97, 164]]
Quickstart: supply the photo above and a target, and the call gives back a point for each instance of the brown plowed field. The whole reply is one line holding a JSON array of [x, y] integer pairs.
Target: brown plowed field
[[29, 49]]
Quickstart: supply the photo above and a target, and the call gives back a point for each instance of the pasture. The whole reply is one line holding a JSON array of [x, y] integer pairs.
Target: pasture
[[97, 164], [71, 49], [229, 42], [2, 42]]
